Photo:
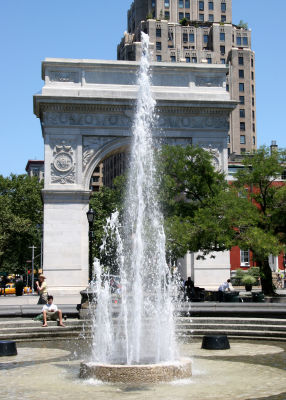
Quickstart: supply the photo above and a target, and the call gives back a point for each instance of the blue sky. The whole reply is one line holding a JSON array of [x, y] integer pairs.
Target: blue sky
[[32, 30]]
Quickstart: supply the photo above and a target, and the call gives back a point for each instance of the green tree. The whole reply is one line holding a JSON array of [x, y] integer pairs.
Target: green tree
[[203, 213], [190, 185], [21, 213], [243, 24], [258, 179], [104, 203]]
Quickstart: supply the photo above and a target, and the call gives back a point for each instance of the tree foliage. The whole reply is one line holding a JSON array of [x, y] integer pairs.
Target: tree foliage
[[21, 214], [203, 213]]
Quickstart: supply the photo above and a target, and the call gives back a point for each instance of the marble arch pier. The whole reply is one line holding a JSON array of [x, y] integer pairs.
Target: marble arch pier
[[86, 111]]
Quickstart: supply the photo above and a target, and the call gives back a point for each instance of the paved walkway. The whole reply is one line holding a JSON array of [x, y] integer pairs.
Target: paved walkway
[[29, 299], [72, 299]]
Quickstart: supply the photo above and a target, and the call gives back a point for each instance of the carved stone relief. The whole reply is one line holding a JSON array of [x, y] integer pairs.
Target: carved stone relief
[[64, 76], [81, 119], [63, 166], [209, 81], [123, 121], [91, 145]]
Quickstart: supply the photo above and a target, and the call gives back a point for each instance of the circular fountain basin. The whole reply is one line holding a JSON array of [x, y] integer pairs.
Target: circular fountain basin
[[144, 373]]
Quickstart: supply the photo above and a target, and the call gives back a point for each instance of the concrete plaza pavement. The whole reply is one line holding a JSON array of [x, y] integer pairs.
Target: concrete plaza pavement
[[30, 299]]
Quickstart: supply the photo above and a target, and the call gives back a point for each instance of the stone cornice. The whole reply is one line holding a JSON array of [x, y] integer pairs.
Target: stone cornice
[[201, 108]]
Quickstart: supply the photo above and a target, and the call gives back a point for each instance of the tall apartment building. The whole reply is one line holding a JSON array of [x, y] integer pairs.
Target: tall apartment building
[[200, 31]]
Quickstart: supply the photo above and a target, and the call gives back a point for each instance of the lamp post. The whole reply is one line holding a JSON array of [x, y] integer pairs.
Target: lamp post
[[90, 217]]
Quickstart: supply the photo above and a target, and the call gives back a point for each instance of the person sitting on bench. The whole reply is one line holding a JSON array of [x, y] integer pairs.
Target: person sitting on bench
[[51, 313]]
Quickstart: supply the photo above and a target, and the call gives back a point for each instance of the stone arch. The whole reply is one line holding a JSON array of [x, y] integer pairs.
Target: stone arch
[[100, 154]]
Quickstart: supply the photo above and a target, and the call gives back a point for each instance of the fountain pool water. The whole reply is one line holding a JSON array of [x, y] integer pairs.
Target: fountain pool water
[[141, 345]]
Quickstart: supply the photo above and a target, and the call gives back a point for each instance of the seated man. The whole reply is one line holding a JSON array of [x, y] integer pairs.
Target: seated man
[[51, 313]]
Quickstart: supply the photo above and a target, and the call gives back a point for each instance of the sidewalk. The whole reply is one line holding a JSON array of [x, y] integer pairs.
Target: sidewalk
[[29, 299]]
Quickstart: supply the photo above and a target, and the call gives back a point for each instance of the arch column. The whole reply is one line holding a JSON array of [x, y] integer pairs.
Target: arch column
[[66, 240]]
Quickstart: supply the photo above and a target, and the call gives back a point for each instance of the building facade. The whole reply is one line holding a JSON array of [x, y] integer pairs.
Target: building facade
[[35, 168], [193, 31]]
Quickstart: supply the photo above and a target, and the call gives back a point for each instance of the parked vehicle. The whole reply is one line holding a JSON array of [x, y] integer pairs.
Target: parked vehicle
[[10, 288]]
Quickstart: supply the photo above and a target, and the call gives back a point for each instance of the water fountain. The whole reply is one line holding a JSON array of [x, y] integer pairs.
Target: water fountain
[[140, 345]]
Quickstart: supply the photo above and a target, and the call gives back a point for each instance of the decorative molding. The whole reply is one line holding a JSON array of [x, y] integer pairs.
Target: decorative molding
[[64, 76], [63, 166], [81, 119], [91, 145], [209, 81], [196, 108], [194, 121]]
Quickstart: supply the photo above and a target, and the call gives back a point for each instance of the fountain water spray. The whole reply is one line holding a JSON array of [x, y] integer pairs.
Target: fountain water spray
[[143, 335]]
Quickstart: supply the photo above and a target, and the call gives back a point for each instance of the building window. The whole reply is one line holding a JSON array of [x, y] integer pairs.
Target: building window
[[201, 5], [194, 60], [181, 16], [240, 61], [252, 62], [242, 113], [252, 101], [253, 114], [209, 60], [188, 59], [283, 175], [228, 139], [187, 16], [192, 37], [201, 17], [222, 60], [223, 18], [238, 40], [206, 38], [153, 3], [253, 139], [181, 3], [241, 87], [158, 46], [159, 57], [167, 3], [227, 87], [241, 99], [173, 58], [252, 75], [167, 15], [252, 89], [241, 73], [242, 150], [242, 128], [222, 50], [211, 5], [222, 36], [253, 128], [185, 37], [211, 18], [244, 258], [245, 41], [242, 139], [158, 32], [223, 7], [187, 3]]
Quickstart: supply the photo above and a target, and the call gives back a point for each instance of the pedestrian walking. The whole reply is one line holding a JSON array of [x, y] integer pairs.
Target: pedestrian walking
[[42, 290]]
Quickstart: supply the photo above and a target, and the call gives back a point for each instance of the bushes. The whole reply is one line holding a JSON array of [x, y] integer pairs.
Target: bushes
[[243, 277]]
